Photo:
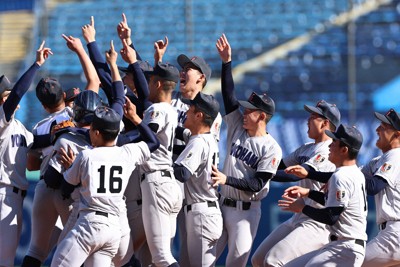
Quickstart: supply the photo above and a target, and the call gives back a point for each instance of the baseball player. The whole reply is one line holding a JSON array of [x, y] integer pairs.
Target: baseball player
[[48, 204], [286, 242], [103, 182], [382, 177], [15, 141], [345, 205], [252, 159], [193, 167]]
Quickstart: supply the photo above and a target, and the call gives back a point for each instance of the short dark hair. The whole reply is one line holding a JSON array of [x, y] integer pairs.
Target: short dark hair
[[107, 134], [352, 153], [207, 120]]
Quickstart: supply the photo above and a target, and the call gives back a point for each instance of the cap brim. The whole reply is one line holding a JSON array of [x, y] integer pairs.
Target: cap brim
[[331, 135], [183, 60], [187, 101], [382, 118], [247, 105], [312, 109]]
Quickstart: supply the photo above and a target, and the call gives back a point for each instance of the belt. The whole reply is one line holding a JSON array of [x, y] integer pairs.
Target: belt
[[163, 173], [105, 214], [209, 204], [139, 202], [230, 202], [357, 241], [16, 190], [382, 226]]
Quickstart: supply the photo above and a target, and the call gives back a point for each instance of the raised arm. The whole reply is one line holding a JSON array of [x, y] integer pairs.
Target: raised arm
[[75, 45], [160, 47], [124, 33], [227, 85], [118, 94], [23, 84]]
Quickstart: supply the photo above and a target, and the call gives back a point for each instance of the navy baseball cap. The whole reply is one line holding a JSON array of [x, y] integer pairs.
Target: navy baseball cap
[[391, 117], [106, 119], [5, 84], [144, 65], [49, 91], [327, 110], [198, 62], [261, 102], [349, 135], [206, 103], [71, 93], [166, 72]]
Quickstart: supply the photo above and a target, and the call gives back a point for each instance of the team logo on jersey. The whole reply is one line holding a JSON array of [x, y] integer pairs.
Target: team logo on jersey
[[340, 194], [155, 114], [319, 158], [274, 162], [189, 155], [386, 167]]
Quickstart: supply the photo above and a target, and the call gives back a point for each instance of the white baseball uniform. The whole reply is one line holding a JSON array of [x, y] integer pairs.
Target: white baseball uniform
[[384, 249], [203, 216], [286, 242], [346, 188], [182, 108], [246, 155], [15, 141], [103, 173], [161, 195], [44, 214]]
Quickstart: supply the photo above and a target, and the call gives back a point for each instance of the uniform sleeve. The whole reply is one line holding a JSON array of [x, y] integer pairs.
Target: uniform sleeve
[[292, 159], [216, 127], [155, 116], [338, 192], [320, 162], [192, 156], [388, 170], [72, 175], [137, 153], [270, 160]]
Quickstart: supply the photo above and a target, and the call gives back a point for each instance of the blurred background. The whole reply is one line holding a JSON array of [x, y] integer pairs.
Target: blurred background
[[299, 52]]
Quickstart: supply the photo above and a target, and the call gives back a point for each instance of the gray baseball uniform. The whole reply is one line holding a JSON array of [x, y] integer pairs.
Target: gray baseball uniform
[[241, 210], [103, 182], [203, 216], [15, 141], [162, 198], [384, 249], [346, 188], [286, 242]]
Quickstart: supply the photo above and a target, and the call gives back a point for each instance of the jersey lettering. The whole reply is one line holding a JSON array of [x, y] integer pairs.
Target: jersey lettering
[[245, 155], [181, 116], [18, 140], [114, 182]]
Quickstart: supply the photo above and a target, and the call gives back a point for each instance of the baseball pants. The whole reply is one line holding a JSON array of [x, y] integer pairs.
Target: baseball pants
[[287, 241], [125, 249], [204, 228], [384, 249], [10, 223], [94, 240], [240, 229], [162, 200], [344, 253]]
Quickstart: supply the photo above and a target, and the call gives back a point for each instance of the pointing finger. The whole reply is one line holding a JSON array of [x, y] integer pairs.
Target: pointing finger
[[92, 21]]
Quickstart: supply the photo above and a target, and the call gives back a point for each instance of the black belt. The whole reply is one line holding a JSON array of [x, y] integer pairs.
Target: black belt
[[382, 226], [230, 202], [16, 190], [105, 214], [209, 204], [357, 241], [139, 202], [163, 173]]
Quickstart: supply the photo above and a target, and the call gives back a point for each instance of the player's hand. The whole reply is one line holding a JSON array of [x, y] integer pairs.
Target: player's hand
[[128, 54], [66, 158], [123, 30], [111, 55], [296, 192], [42, 54], [130, 112], [297, 170], [89, 32], [291, 204], [74, 44], [160, 47], [224, 49], [217, 176]]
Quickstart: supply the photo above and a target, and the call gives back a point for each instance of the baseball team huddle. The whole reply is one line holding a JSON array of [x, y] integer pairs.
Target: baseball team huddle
[[120, 176]]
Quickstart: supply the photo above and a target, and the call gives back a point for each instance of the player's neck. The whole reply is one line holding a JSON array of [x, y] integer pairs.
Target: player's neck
[[322, 138], [199, 129]]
